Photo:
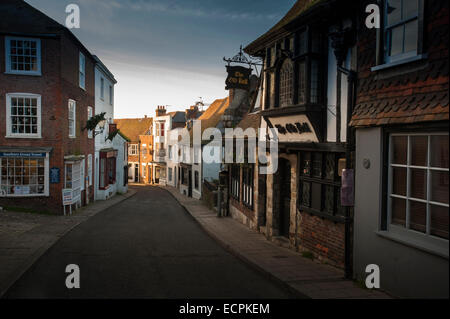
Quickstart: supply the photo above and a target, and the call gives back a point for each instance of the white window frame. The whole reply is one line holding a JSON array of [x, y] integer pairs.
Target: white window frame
[[111, 93], [9, 133], [76, 179], [89, 168], [133, 150], [102, 88], [424, 241], [73, 133], [46, 181], [83, 174], [90, 114], [8, 56], [144, 170], [82, 71]]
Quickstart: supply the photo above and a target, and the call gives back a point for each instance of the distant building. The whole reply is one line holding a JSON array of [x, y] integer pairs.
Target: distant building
[[140, 147]]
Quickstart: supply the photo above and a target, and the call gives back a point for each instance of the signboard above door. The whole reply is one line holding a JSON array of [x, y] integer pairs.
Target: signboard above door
[[294, 128]]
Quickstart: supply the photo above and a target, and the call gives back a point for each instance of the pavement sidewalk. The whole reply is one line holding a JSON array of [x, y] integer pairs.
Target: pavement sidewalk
[[299, 274], [24, 237]]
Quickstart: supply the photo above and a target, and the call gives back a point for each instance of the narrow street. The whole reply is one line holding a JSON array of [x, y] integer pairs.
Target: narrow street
[[144, 247]]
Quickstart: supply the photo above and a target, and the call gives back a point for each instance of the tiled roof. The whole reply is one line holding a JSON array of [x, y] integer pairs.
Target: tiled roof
[[132, 128], [211, 117], [410, 93]]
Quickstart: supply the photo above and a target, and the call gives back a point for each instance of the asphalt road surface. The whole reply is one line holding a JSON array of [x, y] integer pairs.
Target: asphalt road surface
[[144, 247]]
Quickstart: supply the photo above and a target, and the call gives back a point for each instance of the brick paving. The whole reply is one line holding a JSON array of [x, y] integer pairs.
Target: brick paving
[[24, 237], [298, 273]]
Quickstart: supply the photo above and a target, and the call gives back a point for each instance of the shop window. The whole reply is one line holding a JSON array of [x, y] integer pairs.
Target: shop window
[[23, 176]]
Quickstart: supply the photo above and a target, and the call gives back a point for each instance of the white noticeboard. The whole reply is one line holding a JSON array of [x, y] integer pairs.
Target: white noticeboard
[[67, 195]]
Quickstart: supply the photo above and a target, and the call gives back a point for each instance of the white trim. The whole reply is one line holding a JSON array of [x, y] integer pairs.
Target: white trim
[[9, 133], [8, 56], [89, 168], [90, 113], [72, 134]]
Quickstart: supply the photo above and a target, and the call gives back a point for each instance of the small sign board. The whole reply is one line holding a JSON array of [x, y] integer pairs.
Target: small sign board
[[67, 195], [55, 175], [238, 78], [347, 187]]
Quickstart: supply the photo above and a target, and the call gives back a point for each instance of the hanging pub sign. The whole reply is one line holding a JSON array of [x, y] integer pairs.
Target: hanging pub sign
[[238, 77]]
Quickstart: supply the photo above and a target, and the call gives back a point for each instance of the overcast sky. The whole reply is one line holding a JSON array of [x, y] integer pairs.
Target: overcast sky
[[167, 52]]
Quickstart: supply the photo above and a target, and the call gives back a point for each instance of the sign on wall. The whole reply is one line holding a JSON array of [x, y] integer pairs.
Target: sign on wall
[[22, 154], [238, 78], [296, 128], [55, 174]]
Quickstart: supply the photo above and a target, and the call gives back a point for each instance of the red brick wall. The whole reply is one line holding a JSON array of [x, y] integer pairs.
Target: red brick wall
[[324, 238], [58, 83]]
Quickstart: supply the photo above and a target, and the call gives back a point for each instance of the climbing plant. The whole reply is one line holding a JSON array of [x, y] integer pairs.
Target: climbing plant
[[92, 123]]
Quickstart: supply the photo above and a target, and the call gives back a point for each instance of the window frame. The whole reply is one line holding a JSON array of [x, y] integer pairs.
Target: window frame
[[102, 88], [46, 179], [90, 114], [235, 177], [133, 149], [397, 228], [248, 189], [8, 66], [82, 71], [9, 133], [72, 134]]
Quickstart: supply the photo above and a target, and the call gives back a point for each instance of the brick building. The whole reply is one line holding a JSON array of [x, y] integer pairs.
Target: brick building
[[46, 90], [140, 147], [401, 120]]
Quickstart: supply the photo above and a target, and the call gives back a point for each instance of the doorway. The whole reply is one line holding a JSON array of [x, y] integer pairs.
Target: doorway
[[285, 197], [136, 173], [190, 184]]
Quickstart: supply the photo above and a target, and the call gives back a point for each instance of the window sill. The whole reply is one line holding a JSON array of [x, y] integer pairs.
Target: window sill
[[399, 62], [434, 246], [24, 136], [24, 73]]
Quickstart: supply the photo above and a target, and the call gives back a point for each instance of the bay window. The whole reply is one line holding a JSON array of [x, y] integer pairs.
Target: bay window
[[23, 115], [107, 171], [418, 178]]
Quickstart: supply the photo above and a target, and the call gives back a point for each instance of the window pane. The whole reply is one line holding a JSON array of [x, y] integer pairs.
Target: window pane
[[394, 11], [439, 187], [439, 221], [417, 216], [329, 199], [399, 147], [306, 190], [419, 183], [306, 165], [439, 151], [317, 165], [316, 193], [398, 211], [419, 150], [411, 30], [410, 8], [396, 44], [330, 166], [302, 83], [303, 43], [399, 181], [314, 97]]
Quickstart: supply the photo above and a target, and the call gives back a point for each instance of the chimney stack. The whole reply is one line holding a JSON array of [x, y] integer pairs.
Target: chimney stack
[[160, 110]]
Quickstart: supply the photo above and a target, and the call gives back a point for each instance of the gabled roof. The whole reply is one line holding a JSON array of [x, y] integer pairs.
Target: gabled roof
[[300, 7], [132, 128], [26, 20], [178, 117]]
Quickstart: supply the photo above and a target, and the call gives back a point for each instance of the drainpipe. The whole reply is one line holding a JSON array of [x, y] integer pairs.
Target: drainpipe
[[349, 148]]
